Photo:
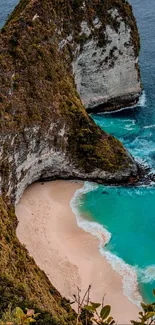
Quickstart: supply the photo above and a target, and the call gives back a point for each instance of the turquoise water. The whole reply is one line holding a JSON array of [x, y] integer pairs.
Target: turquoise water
[[129, 213]]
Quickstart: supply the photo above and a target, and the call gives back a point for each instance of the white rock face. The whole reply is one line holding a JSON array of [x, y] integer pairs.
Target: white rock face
[[33, 157], [109, 72], [102, 74]]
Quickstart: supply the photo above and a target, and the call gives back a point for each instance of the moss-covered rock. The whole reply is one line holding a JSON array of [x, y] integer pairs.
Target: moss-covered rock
[[38, 88], [45, 132]]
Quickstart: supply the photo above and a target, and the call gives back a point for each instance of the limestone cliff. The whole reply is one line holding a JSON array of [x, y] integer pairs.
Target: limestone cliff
[[105, 65], [45, 131]]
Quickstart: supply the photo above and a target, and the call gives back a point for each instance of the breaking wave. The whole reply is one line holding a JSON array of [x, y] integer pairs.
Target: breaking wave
[[127, 272]]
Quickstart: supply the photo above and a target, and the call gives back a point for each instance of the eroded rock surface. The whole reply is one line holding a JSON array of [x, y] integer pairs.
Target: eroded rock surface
[[45, 131], [107, 76]]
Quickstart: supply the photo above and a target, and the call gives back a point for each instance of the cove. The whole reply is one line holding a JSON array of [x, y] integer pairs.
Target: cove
[[128, 214]]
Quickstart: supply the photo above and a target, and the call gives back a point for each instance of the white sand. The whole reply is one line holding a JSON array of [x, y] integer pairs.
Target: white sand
[[68, 255]]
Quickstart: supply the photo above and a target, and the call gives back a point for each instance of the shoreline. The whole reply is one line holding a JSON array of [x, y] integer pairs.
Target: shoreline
[[141, 102], [87, 224], [69, 256], [116, 104]]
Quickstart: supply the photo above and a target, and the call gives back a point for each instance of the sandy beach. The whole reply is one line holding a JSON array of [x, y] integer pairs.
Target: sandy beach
[[68, 255]]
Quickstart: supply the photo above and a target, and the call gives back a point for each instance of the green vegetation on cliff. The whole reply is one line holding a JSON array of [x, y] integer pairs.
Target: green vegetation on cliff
[[37, 90], [89, 313], [22, 283], [37, 82]]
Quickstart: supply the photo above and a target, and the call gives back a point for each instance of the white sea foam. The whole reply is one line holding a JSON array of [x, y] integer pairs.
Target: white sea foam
[[149, 127], [89, 226], [128, 121], [117, 110], [128, 273], [142, 99], [129, 127], [129, 276], [141, 102], [147, 275]]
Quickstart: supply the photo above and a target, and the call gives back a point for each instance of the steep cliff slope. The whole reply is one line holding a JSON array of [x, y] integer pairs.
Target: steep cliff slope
[[45, 131], [106, 61], [22, 283]]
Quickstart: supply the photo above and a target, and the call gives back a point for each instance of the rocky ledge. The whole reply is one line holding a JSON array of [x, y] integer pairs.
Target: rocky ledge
[[45, 130], [47, 48]]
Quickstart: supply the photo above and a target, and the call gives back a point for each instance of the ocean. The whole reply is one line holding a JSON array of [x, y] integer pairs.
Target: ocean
[[6, 7], [125, 216]]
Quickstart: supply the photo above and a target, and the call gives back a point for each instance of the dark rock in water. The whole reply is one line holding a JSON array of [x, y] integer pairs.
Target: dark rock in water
[[104, 192], [146, 177], [152, 155]]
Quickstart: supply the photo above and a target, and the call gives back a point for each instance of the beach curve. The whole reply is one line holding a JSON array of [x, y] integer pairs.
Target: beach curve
[[69, 256]]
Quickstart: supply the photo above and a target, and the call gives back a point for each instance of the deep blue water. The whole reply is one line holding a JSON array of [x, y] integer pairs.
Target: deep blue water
[[6, 7], [128, 214]]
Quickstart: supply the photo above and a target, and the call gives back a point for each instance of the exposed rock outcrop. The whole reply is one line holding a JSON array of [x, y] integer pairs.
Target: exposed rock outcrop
[[32, 155], [45, 131], [106, 64]]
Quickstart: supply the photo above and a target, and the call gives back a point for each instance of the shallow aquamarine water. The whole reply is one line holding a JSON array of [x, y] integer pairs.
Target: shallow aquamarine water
[[129, 213]]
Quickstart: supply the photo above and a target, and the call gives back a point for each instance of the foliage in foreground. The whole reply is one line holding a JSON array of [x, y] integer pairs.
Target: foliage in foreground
[[88, 313], [18, 317], [147, 315]]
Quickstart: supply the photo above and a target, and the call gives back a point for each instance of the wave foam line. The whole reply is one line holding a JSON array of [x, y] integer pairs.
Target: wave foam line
[[141, 102], [148, 274], [127, 272], [142, 99], [152, 126]]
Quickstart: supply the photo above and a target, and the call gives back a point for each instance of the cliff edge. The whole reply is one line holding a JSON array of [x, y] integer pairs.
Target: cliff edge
[[105, 64], [45, 131]]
